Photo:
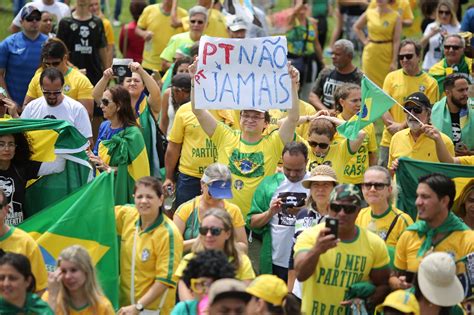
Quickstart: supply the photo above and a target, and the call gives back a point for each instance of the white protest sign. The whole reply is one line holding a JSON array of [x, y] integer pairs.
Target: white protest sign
[[242, 74]]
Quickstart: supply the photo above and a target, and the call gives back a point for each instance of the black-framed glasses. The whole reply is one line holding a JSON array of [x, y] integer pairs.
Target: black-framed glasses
[[31, 18], [377, 186], [215, 231], [445, 12], [105, 102], [55, 93], [200, 22], [417, 109], [348, 209], [315, 144], [453, 47], [250, 117], [52, 63], [405, 56]]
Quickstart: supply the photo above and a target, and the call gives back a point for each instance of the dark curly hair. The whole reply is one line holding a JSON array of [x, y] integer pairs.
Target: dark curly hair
[[210, 264]]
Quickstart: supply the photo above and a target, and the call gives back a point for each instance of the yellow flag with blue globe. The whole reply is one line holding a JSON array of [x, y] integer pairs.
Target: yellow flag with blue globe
[[375, 102]]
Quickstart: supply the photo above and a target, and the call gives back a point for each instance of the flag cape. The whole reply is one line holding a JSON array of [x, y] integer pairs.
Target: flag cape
[[375, 102], [86, 218], [409, 171], [126, 151], [48, 139], [440, 70]]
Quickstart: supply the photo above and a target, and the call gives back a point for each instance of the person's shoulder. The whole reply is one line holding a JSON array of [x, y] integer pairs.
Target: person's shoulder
[[18, 233], [401, 133], [183, 109], [72, 103], [327, 71], [364, 211]]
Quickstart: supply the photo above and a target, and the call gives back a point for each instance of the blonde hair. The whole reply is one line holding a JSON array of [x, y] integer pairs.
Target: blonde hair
[[79, 256], [230, 246], [450, 5]]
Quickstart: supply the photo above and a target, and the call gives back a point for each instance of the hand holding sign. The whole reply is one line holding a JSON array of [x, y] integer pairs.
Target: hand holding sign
[[243, 74]]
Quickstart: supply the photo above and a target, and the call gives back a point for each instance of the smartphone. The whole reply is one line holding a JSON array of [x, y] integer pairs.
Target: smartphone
[[333, 225]]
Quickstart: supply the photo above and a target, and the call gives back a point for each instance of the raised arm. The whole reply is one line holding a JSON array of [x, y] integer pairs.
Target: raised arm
[[154, 97], [287, 129], [100, 87]]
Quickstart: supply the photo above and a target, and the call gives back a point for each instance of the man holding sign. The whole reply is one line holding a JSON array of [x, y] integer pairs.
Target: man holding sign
[[249, 154]]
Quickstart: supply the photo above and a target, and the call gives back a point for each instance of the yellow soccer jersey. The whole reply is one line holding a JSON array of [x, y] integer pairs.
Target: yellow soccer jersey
[[216, 24], [380, 224], [458, 244], [198, 151], [158, 252], [355, 168], [249, 163], [424, 149], [153, 19], [19, 242], [338, 156], [244, 272], [76, 85], [338, 268], [399, 86], [466, 160], [103, 308]]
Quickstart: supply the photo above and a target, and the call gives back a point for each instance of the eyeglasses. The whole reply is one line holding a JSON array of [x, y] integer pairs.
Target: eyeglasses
[[453, 47], [377, 186], [52, 63], [10, 145], [30, 18], [55, 93], [196, 22], [215, 231], [200, 285], [348, 209], [315, 144], [441, 12], [250, 117], [105, 102], [406, 56], [415, 108]]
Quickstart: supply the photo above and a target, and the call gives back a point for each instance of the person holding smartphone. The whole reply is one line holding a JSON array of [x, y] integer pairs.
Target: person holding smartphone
[[331, 265]]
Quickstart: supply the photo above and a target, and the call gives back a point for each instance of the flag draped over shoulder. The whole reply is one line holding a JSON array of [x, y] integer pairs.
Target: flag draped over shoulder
[[375, 102], [149, 131], [409, 171], [48, 139], [126, 151], [86, 218]]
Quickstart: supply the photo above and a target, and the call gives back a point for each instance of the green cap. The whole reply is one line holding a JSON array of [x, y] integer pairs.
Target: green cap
[[346, 194]]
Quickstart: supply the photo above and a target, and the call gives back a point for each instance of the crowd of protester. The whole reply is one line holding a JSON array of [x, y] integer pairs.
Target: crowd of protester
[[247, 211]]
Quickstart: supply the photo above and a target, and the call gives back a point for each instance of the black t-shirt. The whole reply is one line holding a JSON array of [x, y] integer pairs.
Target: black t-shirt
[[456, 127], [13, 182], [84, 39]]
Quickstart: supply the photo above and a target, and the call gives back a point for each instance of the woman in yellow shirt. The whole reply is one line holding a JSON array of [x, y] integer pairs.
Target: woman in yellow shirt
[[73, 288]]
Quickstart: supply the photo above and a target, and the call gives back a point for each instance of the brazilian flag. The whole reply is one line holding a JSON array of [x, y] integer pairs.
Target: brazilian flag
[[126, 152], [409, 171], [86, 218], [49, 139], [149, 131]]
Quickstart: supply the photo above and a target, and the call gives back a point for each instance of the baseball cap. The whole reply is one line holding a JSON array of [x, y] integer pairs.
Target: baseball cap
[[418, 98], [346, 194], [438, 281], [236, 23], [223, 288], [181, 80], [401, 300], [321, 173], [28, 10], [218, 179], [269, 288]]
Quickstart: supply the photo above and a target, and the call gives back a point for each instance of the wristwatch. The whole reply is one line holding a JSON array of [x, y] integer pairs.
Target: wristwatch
[[139, 307]]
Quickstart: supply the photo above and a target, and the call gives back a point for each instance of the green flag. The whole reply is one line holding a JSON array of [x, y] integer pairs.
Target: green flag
[[409, 171], [49, 139], [375, 102], [86, 218]]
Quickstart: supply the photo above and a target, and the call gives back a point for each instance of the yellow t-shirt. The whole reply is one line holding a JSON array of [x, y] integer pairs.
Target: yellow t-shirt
[[216, 26], [380, 224], [197, 151], [103, 308], [158, 252], [337, 157], [338, 269], [154, 20], [76, 85], [354, 169], [424, 149], [244, 272], [466, 160], [458, 244], [19, 242], [189, 207], [399, 86], [109, 31], [248, 162]]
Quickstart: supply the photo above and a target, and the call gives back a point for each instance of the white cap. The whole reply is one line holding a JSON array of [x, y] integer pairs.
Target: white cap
[[236, 23]]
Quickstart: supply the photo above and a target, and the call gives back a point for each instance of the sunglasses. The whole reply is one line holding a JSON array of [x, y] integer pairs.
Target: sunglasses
[[441, 12], [414, 108], [315, 144], [406, 56], [45, 93], [33, 18], [105, 102], [377, 186], [52, 63], [453, 47], [348, 209], [215, 231], [196, 22]]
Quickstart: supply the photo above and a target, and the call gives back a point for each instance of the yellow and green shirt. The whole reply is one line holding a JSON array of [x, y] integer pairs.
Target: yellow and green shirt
[[104, 307]]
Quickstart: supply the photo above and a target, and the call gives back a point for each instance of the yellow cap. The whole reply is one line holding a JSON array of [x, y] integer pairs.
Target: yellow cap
[[401, 300], [269, 288]]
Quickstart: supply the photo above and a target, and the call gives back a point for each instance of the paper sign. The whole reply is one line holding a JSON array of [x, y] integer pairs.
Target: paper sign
[[242, 74]]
